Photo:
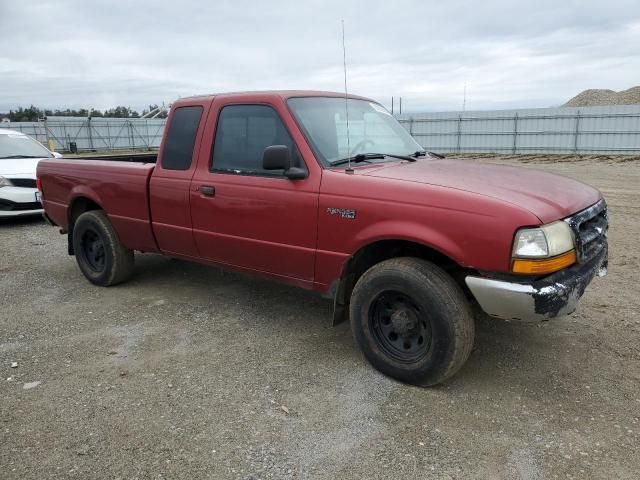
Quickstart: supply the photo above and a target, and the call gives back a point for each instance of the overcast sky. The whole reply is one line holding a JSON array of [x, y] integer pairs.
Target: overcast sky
[[69, 53]]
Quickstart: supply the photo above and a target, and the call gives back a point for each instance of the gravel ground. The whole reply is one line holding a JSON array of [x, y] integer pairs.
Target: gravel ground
[[190, 372]]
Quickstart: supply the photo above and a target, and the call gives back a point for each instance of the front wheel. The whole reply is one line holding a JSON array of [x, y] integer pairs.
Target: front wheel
[[412, 321], [102, 258]]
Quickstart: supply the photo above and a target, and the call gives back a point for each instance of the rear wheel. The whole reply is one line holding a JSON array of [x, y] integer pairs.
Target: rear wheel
[[412, 321], [100, 255]]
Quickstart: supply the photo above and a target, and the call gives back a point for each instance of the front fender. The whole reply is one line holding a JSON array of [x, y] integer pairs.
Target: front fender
[[415, 232]]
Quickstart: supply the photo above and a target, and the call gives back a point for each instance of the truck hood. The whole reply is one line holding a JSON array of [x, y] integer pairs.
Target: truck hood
[[548, 196], [24, 167]]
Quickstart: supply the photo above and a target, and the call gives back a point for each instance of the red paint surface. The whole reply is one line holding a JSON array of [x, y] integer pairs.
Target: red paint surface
[[281, 228]]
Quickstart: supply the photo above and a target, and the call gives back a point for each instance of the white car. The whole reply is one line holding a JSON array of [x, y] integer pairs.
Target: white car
[[19, 157]]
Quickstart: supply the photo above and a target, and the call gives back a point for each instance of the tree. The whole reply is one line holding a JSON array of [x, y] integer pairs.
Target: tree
[[121, 112], [33, 114]]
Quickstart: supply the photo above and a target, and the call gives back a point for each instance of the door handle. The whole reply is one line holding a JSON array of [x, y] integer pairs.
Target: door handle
[[207, 190]]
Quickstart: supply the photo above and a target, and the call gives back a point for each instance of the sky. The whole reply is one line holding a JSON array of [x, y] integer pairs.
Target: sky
[[510, 54]]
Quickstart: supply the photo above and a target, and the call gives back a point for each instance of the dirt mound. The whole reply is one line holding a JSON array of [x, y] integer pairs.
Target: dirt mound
[[629, 97], [594, 97]]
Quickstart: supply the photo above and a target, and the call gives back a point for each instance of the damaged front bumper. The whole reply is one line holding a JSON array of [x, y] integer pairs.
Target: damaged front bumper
[[538, 299]]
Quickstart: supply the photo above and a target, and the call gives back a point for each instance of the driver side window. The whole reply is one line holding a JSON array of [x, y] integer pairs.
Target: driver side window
[[242, 134]]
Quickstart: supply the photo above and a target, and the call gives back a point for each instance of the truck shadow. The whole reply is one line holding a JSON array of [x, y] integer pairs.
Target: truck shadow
[[513, 354], [7, 222]]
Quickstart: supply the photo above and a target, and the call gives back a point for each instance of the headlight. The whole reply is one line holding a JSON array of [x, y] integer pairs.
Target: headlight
[[4, 182], [542, 250], [545, 241]]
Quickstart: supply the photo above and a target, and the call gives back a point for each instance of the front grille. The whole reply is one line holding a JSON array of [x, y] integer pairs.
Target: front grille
[[9, 206], [590, 227], [23, 182]]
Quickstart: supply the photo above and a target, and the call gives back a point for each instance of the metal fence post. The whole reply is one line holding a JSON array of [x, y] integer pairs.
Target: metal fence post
[[577, 132], [46, 133], [89, 132], [66, 136], [515, 133], [146, 128], [459, 133]]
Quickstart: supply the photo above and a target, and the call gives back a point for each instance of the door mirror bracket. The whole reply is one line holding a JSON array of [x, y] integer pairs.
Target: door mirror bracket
[[295, 173]]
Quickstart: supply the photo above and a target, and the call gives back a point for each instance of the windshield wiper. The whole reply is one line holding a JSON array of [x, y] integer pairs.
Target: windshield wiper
[[360, 157], [424, 153], [22, 156], [363, 157], [401, 157]]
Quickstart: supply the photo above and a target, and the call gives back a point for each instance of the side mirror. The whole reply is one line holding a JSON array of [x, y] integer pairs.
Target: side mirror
[[278, 157], [56, 155]]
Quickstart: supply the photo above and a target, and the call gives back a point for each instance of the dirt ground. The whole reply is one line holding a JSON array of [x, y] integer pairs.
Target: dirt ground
[[190, 372]]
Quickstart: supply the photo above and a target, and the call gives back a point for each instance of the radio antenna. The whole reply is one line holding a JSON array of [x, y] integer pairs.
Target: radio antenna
[[346, 101]]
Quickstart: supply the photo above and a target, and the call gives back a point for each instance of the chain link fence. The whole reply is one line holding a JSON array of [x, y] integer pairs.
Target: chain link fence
[[586, 130], [86, 134]]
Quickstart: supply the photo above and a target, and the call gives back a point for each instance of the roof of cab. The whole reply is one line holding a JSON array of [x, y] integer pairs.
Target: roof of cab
[[284, 94]]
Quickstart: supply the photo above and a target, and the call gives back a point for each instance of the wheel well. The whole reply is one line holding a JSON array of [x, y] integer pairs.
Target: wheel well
[[377, 252], [78, 207], [374, 253]]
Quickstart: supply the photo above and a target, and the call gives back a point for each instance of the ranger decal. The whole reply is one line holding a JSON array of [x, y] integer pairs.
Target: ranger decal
[[343, 212]]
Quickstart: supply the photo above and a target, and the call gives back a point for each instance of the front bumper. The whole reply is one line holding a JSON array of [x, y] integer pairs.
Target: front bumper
[[20, 213], [539, 299], [19, 201]]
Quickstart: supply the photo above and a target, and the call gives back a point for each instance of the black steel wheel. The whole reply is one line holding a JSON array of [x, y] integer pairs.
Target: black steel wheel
[[92, 250], [102, 258], [400, 326], [412, 321]]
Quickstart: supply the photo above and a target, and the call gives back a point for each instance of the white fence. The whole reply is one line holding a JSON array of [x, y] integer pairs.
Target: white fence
[[605, 130]]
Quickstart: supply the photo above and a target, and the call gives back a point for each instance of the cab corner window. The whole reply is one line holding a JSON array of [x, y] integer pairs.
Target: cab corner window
[[242, 134], [181, 137]]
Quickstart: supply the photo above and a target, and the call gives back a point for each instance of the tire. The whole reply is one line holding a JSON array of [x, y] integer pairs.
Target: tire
[[412, 321], [102, 258]]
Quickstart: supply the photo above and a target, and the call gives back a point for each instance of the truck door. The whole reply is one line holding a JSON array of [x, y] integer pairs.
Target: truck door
[[171, 179], [248, 217]]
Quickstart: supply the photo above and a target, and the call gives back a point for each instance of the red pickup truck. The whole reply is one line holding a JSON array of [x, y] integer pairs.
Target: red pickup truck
[[332, 194]]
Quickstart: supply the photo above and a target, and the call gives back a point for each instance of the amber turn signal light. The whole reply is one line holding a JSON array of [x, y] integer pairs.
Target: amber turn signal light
[[529, 266]]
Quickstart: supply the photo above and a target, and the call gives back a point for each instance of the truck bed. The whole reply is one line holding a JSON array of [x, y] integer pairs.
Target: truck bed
[[118, 184]]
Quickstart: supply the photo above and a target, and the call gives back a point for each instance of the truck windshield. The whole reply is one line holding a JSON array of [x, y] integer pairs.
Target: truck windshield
[[371, 129], [15, 145]]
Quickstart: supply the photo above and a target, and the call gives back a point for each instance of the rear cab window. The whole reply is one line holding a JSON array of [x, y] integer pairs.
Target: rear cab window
[[181, 137], [242, 134]]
